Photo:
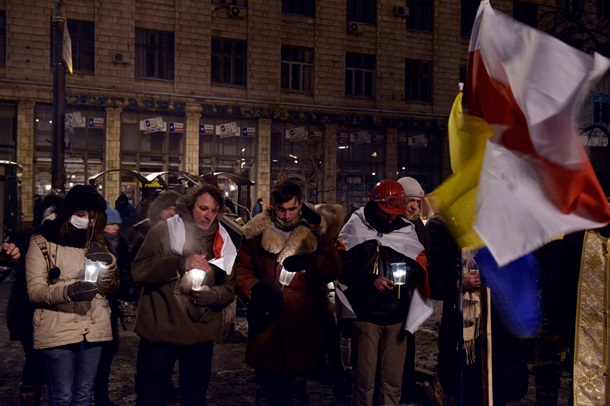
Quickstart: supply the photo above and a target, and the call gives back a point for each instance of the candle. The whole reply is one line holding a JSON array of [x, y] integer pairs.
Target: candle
[[197, 275], [92, 270]]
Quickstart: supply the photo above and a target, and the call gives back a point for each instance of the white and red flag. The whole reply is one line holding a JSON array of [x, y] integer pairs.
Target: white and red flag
[[536, 180]]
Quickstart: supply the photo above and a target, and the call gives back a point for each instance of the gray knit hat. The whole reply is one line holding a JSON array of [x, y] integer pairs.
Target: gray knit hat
[[411, 186]]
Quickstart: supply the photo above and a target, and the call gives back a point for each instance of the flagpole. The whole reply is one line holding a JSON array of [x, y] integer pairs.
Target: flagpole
[[460, 307], [58, 172]]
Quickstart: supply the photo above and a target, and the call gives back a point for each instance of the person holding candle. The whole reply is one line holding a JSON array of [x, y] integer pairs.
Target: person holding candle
[[71, 316], [285, 261], [376, 239], [175, 321]]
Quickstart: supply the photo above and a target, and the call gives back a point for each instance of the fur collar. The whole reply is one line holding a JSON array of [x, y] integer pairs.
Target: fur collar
[[303, 239]]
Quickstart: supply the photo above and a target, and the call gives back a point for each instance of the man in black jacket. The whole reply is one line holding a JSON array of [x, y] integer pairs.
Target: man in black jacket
[[377, 240]]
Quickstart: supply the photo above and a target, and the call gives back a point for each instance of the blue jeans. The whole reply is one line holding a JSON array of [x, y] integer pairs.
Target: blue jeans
[[71, 372]]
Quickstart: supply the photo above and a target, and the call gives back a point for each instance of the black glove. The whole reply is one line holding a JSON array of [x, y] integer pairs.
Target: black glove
[[98, 253], [297, 263], [265, 305], [204, 297], [82, 291]]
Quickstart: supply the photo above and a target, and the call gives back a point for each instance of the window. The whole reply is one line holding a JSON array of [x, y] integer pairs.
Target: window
[[2, 37], [360, 163], [154, 54], [526, 13], [420, 15], [469, 12], [304, 7], [418, 81], [601, 110], [362, 11], [228, 61], [359, 75], [297, 153], [8, 132], [84, 140], [82, 36], [297, 68]]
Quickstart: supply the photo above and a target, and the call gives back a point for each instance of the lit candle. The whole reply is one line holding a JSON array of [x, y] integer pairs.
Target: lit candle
[[197, 275]]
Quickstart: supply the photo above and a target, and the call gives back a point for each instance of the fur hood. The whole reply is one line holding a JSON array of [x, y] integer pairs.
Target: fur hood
[[303, 238]]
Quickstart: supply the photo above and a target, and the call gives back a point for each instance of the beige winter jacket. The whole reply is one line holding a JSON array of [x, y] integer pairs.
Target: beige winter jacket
[[57, 321]]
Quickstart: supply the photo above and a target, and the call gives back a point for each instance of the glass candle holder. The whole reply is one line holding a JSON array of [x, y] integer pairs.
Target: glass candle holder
[[197, 277], [92, 270], [399, 271]]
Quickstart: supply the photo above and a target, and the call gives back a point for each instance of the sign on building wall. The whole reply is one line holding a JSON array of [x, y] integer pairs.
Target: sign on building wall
[[96, 122], [152, 125], [248, 131], [206, 129], [228, 130], [74, 120], [296, 133], [360, 137], [177, 128], [418, 141]]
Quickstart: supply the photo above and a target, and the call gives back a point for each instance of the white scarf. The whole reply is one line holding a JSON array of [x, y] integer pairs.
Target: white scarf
[[224, 259]]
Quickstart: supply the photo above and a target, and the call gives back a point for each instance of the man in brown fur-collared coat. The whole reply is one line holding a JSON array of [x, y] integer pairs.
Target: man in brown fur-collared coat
[[283, 265]]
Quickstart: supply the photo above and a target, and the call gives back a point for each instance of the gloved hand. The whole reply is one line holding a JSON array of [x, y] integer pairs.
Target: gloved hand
[[98, 253], [81, 291], [204, 297], [108, 280], [297, 263], [265, 305]]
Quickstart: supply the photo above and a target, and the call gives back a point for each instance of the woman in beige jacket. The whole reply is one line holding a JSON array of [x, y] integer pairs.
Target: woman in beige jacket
[[72, 316]]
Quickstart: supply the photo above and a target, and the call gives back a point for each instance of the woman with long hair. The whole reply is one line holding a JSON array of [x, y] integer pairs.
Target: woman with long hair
[[72, 315]]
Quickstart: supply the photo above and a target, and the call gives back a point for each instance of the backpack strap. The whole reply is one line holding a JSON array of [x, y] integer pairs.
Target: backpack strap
[[41, 242]]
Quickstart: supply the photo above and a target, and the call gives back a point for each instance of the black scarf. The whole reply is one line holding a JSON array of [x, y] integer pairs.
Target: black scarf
[[50, 230]]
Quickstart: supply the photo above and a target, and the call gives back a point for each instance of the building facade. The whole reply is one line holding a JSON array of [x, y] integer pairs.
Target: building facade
[[334, 94]]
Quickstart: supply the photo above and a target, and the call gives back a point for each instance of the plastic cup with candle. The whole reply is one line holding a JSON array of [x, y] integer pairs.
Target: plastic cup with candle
[[92, 270], [399, 272], [197, 277]]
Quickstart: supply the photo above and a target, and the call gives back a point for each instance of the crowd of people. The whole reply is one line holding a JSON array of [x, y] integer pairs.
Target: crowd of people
[[311, 278]]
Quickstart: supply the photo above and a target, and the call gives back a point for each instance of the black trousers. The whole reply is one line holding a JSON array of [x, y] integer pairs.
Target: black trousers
[[155, 366], [279, 389]]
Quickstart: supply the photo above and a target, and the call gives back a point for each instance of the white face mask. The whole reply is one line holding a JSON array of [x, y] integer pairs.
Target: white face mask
[[79, 222]]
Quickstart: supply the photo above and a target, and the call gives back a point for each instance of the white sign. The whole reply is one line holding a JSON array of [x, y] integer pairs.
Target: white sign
[[418, 141], [152, 125], [228, 130], [360, 137], [296, 133], [74, 120]]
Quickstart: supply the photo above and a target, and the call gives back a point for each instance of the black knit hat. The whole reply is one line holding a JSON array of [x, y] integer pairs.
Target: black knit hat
[[81, 197]]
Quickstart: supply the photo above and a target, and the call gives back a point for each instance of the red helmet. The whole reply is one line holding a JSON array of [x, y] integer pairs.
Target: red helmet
[[390, 196]]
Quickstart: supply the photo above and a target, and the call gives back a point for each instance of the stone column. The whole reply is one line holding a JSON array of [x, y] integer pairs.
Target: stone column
[[391, 153], [25, 156], [262, 177], [112, 181], [191, 154], [329, 183]]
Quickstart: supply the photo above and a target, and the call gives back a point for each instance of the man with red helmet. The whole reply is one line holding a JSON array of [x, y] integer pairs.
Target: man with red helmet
[[377, 240]]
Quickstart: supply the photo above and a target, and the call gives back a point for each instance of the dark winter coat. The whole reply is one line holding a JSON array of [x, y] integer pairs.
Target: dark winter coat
[[293, 342], [510, 377], [163, 314]]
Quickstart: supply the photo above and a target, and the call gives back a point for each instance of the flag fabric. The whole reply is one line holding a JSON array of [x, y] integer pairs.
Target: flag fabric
[[67, 47], [514, 291], [456, 197], [536, 180]]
